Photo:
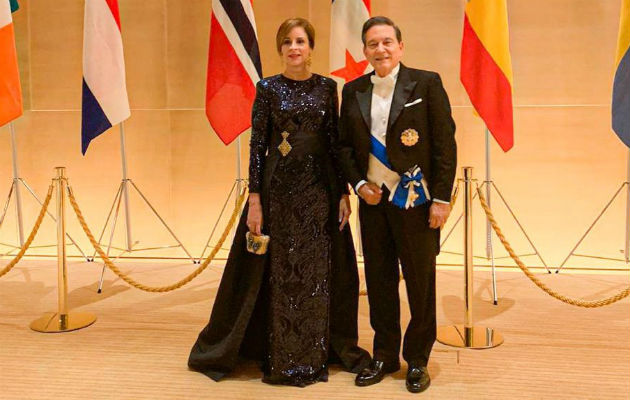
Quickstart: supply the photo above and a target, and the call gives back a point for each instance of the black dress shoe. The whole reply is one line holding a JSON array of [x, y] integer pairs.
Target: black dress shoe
[[418, 379], [374, 373]]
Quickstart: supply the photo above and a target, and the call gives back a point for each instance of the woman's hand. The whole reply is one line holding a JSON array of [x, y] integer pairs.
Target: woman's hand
[[344, 211], [254, 214]]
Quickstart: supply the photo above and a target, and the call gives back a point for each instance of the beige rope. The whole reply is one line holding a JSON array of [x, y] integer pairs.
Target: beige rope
[[580, 303], [155, 289], [31, 237], [363, 292]]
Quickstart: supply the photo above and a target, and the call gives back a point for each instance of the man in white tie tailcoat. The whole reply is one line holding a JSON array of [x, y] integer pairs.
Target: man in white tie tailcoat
[[397, 149]]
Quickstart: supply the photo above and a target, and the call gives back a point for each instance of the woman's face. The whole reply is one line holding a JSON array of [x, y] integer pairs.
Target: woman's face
[[295, 48]]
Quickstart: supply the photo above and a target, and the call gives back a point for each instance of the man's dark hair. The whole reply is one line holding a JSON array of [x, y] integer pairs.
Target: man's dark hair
[[380, 20]]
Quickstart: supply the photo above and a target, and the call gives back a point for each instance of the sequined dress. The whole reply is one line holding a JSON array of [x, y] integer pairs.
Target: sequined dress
[[305, 292]]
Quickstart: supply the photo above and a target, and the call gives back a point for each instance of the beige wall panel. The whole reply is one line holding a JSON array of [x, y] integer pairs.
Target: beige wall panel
[[149, 158], [319, 16], [56, 29], [563, 51], [564, 167], [203, 172], [187, 46], [46, 140], [563, 55], [269, 16], [144, 37], [431, 32], [50, 139]]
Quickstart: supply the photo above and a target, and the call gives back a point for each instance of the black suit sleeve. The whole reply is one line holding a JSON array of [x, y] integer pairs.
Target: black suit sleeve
[[346, 149], [443, 147], [261, 131]]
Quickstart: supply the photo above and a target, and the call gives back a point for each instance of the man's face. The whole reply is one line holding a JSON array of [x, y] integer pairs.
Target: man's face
[[382, 49]]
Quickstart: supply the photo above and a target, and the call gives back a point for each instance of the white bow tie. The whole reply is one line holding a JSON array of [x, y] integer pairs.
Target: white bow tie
[[387, 81]]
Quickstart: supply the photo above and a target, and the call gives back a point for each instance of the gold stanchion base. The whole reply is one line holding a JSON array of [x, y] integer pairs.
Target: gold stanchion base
[[476, 337], [52, 322]]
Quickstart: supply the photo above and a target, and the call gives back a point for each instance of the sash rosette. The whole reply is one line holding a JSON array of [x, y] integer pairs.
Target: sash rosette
[[411, 191]]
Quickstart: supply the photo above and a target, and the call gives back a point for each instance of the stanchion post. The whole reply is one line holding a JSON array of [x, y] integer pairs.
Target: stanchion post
[[62, 320], [468, 243], [62, 267], [468, 335]]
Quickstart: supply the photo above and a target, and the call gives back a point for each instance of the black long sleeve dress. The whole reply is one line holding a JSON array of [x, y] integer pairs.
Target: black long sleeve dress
[[295, 308]]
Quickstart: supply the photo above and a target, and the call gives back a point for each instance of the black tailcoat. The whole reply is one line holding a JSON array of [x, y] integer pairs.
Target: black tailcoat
[[390, 234]]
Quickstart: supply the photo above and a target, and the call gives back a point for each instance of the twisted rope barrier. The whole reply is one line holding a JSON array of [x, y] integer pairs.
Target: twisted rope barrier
[[575, 302], [158, 289], [138, 285], [31, 237]]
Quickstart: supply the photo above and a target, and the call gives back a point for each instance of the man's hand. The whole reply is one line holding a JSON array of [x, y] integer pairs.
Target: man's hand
[[371, 193], [438, 214]]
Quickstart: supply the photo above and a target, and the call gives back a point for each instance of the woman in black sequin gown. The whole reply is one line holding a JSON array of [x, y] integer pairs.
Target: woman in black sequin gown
[[295, 308]]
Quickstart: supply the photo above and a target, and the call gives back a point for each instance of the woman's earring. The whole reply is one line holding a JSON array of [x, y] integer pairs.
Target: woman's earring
[[309, 61]]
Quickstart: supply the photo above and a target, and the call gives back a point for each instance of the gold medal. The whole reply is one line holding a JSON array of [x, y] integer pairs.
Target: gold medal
[[409, 137], [284, 146]]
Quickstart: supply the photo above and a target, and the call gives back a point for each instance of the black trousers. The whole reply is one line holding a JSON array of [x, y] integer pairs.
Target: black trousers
[[391, 234]]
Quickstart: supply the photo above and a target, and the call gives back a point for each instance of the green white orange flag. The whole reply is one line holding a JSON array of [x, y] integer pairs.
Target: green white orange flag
[[10, 91], [486, 66]]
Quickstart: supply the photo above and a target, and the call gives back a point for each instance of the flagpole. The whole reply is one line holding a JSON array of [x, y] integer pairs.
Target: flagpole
[[489, 250], [238, 167], [627, 243], [487, 182], [16, 186], [123, 156]]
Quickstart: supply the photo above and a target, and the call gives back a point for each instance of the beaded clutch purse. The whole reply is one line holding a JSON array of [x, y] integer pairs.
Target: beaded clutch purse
[[256, 244]]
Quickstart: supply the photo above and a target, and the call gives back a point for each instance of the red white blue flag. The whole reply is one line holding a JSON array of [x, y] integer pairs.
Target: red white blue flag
[[105, 101], [234, 68], [347, 61]]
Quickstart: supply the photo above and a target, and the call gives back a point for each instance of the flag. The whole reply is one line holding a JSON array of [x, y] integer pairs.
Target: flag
[[105, 101], [346, 48], [621, 85], [10, 90], [234, 68], [486, 66]]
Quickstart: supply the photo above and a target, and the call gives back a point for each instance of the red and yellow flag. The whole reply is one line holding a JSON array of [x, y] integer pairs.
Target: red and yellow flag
[[10, 91], [486, 66]]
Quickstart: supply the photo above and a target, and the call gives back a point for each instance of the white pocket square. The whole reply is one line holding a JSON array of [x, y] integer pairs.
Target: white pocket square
[[413, 102]]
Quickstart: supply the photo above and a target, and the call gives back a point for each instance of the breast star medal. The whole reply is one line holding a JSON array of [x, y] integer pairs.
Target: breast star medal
[[409, 137]]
